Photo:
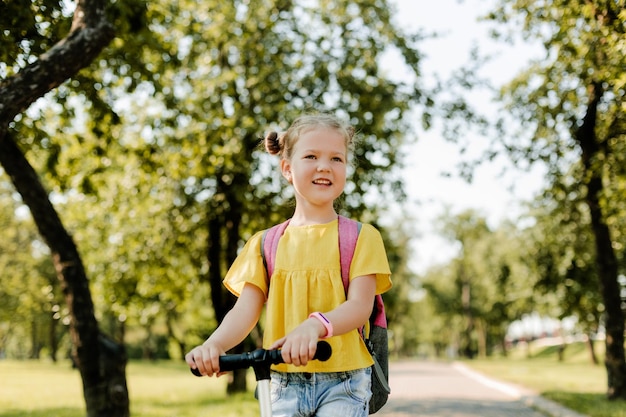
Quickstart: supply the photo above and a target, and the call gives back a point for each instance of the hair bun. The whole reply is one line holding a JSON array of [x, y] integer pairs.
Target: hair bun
[[272, 143]]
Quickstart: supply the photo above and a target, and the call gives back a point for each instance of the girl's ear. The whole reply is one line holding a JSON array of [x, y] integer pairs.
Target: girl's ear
[[285, 168]]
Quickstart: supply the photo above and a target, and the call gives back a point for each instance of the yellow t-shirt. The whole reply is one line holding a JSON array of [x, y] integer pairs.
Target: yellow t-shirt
[[307, 278]]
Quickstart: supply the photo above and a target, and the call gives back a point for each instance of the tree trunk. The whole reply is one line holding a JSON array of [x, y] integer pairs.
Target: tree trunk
[[171, 334], [53, 339], [560, 353], [224, 226], [615, 361], [592, 350], [481, 338], [232, 224], [101, 361], [222, 300], [468, 346], [35, 345], [148, 345]]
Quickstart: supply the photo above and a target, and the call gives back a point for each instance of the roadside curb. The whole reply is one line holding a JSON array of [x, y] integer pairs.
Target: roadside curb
[[549, 407], [527, 396]]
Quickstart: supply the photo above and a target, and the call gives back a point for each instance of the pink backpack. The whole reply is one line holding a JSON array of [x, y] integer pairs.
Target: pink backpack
[[376, 340]]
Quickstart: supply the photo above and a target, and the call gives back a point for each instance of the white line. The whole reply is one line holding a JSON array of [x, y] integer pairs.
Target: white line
[[491, 383]]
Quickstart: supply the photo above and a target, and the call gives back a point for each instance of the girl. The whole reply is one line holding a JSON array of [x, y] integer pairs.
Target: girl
[[306, 300]]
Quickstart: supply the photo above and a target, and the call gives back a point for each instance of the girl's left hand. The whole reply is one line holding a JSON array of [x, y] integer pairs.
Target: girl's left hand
[[300, 345]]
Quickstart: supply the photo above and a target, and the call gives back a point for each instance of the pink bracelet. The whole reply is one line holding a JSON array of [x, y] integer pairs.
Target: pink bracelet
[[324, 320]]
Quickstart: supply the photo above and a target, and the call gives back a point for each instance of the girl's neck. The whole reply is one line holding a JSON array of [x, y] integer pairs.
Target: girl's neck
[[304, 218]]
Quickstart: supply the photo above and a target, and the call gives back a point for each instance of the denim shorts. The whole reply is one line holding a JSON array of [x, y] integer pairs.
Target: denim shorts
[[325, 394]]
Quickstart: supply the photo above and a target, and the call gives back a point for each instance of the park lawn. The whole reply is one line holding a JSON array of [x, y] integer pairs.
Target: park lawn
[[575, 383], [167, 388], [156, 389]]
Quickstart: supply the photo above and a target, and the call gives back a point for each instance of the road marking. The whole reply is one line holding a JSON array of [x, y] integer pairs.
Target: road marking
[[488, 382]]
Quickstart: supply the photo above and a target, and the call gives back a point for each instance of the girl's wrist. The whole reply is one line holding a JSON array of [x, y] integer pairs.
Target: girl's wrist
[[328, 326]]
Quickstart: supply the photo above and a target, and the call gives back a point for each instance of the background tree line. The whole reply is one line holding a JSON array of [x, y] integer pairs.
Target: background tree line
[[143, 174]]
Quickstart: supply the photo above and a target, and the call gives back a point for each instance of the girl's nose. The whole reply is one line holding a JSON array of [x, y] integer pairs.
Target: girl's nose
[[323, 166]]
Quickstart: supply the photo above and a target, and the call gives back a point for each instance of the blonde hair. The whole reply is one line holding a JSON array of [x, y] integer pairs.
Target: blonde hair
[[282, 144]]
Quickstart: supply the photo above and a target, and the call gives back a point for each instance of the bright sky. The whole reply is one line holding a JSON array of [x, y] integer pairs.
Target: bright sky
[[495, 195]]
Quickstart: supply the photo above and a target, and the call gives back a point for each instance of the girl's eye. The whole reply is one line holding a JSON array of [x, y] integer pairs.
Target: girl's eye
[[309, 157], [338, 159]]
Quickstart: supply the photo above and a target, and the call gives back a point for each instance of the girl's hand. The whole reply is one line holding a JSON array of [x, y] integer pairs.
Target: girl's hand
[[237, 323], [206, 358], [300, 345]]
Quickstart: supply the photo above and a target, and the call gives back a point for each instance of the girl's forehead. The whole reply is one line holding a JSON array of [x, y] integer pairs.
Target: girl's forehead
[[322, 137]]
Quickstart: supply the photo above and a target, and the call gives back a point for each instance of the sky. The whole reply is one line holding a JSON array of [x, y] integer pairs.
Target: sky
[[495, 195]]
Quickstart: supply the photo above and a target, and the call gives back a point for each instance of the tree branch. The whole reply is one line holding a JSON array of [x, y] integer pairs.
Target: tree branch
[[89, 34]]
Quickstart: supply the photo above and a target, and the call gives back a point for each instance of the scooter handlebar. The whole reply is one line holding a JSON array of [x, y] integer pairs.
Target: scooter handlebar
[[263, 357]]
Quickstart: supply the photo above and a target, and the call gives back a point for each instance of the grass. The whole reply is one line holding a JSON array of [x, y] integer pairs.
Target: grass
[[163, 389], [167, 389], [575, 383]]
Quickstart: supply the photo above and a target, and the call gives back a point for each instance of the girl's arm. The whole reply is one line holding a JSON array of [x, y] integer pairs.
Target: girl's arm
[[237, 324], [300, 344], [356, 310]]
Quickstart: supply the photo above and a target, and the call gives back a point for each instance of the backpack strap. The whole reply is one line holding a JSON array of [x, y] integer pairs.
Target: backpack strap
[[269, 245], [380, 317], [348, 235]]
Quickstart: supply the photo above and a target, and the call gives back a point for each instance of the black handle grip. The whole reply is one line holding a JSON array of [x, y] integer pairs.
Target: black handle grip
[[263, 357]]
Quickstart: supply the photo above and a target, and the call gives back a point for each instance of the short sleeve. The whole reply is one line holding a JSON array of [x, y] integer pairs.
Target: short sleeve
[[248, 268], [370, 258]]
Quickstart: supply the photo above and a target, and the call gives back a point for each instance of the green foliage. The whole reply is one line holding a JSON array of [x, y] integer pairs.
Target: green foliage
[[30, 28], [405, 316], [33, 310], [584, 44], [152, 156], [481, 291], [561, 251]]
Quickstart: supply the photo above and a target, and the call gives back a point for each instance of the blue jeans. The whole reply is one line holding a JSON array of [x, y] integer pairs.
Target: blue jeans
[[327, 394]]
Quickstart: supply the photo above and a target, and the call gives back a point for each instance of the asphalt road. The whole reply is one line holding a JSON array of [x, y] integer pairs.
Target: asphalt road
[[442, 389]]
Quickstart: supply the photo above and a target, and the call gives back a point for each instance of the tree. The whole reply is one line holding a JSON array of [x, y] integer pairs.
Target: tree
[[403, 310], [468, 229], [484, 288], [100, 360], [572, 103], [443, 300], [560, 250], [164, 129], [250, 70]]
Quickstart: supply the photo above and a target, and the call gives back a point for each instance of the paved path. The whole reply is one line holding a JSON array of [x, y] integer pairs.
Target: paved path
[[440, 389]]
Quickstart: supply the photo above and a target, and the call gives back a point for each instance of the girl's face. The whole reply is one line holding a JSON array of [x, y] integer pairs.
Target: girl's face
[[317, 167]]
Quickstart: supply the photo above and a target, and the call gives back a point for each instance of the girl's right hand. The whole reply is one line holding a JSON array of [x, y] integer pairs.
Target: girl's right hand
[[206, 358]]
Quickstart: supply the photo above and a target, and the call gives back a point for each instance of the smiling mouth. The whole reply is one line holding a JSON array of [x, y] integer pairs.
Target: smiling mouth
[[322, 182]]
